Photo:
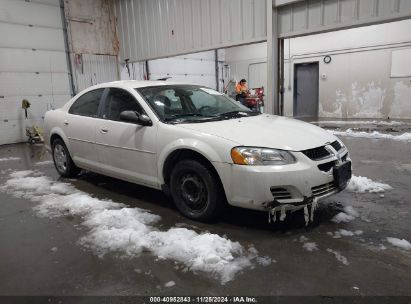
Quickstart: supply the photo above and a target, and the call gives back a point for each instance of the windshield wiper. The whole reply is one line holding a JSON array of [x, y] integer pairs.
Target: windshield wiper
[[238, 114], [186, 114], [182, 116]]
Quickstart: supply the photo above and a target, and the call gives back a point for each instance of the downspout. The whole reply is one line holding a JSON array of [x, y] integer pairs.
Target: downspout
[[67, 49]]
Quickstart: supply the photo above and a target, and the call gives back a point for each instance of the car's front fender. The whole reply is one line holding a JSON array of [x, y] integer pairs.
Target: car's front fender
[[192, 144]]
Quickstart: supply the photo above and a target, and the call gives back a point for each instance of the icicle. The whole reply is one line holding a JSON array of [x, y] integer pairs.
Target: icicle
[[313, 207], [283, 214], [306, 216]]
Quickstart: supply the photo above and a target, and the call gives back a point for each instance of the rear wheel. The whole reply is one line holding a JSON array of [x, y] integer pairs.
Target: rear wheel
[[196, 191], [62, 160]]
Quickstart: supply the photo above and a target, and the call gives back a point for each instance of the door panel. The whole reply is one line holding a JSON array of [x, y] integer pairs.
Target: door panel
[[80, 126], [306, 82], [126, 150]]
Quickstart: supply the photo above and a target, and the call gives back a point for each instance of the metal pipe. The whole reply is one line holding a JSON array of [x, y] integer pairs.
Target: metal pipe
[[350, 50], [67, 49], [147, 70], [216, 70], [281, 76]]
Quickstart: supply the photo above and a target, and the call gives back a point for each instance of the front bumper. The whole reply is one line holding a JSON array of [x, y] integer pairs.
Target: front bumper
[[257, 187]]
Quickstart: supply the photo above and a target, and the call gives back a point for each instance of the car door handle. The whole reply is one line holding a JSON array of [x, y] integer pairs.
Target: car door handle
[[104, 131], [66, 123]]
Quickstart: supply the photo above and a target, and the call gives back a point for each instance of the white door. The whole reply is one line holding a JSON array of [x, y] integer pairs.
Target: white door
[[80, 127], [33, 65], [126, 150]]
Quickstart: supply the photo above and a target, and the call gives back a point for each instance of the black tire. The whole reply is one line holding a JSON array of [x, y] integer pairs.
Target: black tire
[[196, 191], [62, 159]]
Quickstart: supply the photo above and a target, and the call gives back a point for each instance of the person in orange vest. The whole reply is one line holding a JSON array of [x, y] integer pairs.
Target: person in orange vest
[[241, 91]]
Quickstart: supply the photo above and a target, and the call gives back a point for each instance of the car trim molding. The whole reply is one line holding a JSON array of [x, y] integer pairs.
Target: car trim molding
[[106, 145], [125, 148]]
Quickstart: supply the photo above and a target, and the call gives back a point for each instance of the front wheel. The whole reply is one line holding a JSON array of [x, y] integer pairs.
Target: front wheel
[[62, 160], [196, 191]]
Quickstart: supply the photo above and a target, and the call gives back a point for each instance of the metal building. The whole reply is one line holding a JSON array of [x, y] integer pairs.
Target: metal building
[[33, 50]]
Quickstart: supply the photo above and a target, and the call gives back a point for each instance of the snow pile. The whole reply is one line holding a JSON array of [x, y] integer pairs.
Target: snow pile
[[405, 137], [404, 244], [338, 256], [309, 246], [348, 215], [361, 184], [128, 232], [9, 158]]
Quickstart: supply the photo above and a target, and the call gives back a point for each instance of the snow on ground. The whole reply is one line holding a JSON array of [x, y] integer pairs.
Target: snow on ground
[[361, 184], [347, 215], [264, 261], [309, 246], [338, 256], [170, 284], [127, 232], [342, 232], [9, 158], [43, 163], [401, 243], [405, 137]]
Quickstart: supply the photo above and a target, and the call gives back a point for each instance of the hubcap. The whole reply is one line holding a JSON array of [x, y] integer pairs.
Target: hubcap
[[193, 191], [60, 158]]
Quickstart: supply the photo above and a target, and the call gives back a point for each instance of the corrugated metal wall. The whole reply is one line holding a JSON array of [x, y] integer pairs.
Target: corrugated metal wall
[[196, 68], [90, 69], [33, 64], [150, 29], [312, 16]]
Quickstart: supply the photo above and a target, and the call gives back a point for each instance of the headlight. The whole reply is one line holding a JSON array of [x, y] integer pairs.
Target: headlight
[[261, 156]]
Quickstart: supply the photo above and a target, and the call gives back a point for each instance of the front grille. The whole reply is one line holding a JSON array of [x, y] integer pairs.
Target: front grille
[[280, 193], [323, 189], [326, 166], [336, 145], [316, 153]]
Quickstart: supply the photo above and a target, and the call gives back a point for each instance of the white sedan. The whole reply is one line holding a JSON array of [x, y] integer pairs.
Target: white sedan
[[198, 145]]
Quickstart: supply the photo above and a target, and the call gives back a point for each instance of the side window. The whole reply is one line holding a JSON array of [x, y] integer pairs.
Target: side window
[[118, 101], [87, 104]]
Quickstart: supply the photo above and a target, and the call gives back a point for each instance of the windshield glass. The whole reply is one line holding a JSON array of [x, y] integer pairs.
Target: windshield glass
[[190, 103]]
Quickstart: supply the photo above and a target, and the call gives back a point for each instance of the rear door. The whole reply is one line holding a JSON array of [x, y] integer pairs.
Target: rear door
[[126, 150], [80, 127]]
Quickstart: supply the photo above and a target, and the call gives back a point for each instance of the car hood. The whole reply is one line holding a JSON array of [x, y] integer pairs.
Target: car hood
[[266, 131]]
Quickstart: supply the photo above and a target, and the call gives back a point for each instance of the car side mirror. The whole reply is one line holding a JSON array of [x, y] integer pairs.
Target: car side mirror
[[144, 120], [133, 117]]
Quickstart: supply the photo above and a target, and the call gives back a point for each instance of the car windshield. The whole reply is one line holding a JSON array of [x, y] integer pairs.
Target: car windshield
[[190, 103]]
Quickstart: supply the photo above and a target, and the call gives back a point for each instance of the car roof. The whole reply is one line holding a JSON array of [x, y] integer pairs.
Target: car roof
[[132, 84]]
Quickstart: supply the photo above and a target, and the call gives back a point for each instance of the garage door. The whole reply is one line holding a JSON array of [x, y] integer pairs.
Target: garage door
[[33, 64], [196, 68]]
